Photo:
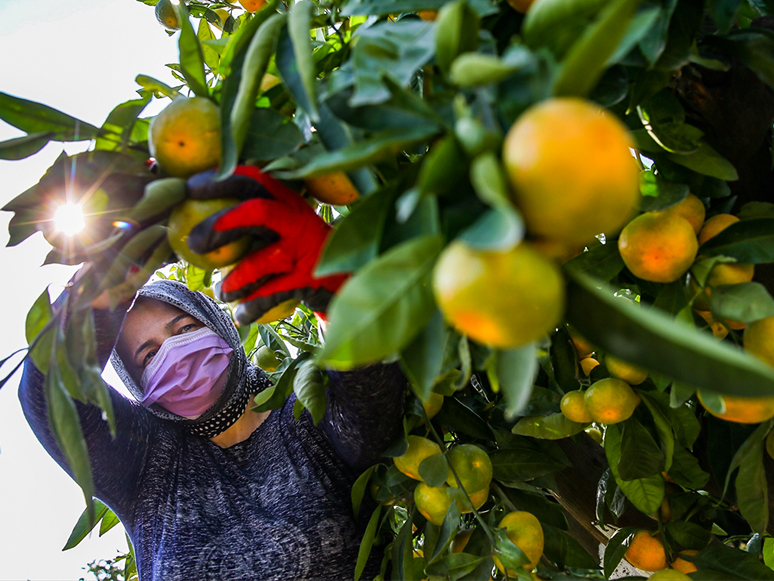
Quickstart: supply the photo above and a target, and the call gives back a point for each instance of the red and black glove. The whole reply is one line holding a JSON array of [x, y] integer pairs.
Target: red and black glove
[[292, 233]]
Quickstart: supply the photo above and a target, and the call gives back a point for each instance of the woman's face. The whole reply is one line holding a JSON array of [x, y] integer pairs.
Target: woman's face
[[146, 326]]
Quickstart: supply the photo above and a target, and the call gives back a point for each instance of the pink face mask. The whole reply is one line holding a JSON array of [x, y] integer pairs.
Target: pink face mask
[[188, 373]]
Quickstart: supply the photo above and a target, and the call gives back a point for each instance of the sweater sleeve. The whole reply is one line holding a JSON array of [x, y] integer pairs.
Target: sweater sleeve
[[364, 413], [116, 463]]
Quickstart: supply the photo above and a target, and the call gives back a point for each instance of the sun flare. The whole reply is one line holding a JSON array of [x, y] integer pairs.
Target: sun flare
[[68, 219]]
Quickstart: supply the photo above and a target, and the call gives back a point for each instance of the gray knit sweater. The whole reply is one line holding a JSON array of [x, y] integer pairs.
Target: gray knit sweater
[[276, 506]]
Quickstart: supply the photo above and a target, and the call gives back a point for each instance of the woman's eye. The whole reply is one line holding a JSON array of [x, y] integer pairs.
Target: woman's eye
[[187, 328], [148, 356]]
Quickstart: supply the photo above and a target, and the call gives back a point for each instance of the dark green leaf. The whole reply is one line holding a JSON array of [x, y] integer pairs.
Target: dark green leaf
[[422, 359], [355, 241], [35, 118], [309, 386], [434, 470], [21, 147], [751, 489], [564, 360], [160, 196], [511, 556], [84, 526], [367, 542], [381, 309], [753, 47], [745, 302], [522, 464], [674, 349], [658, 405], [513, 371], [116, 131], [270, 135], [443, 168], [458, 417], [688, 534], [191, 57], [402, 553], [456, 32], [706, 161], [273, 397], [551, 427], [616, 549], [359, 489], [454, 566], [729, 561], [563, 550], [640, 455], [749, 241], [723, 12], [299, 24], [602, 261], [751, 447], [645, 494]]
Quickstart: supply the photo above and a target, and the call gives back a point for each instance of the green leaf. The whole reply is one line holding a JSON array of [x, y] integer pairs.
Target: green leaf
[[723, 12], [748, 241], [616, 549], [513, 371], [557, 24], [750, 447], [38, 317], [84, 525], [309, 386], [434, 470], [746, 302], [522, 464], [658, 404], [673, 348], [355, 241], [455, 565], [402, 553], [456, 32], [160, 197], [563, 550], [273, 397], [191, 57], [752, 47], [155, 86], [299, 24], [117, 129], [359, 489], [422, 359], [270, 135], [752, 496], [367, 542], [35, 118], [663, 118], [391, 49], [375, 148], [706, 161], [640, 455], [551, 427], [383, 7], [602, 261], [645, 494], [496, 230], [688, 534], [564, 360], [587, 58], [209, 55], [455, 416], [381, 309], [511, 556], [109, 520], [475, 69], [733, 562], [25, 146]]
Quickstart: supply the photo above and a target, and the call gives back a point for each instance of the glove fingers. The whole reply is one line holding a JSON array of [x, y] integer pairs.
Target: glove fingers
[[206, 236], [254, 270], [250, 311], [202, 186]]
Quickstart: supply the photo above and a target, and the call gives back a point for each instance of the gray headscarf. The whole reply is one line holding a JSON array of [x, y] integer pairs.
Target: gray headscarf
[[244, 379]]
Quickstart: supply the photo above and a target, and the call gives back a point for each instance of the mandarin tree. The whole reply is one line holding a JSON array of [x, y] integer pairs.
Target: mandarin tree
[[513, 192]]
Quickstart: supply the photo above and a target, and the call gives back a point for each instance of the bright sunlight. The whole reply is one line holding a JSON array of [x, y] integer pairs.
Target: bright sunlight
[[69, 219]]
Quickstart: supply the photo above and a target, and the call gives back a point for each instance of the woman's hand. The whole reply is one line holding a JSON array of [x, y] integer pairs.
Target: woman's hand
[[290, 234]]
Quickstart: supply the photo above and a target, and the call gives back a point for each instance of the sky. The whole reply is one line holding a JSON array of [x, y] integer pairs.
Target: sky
[[80, 57]]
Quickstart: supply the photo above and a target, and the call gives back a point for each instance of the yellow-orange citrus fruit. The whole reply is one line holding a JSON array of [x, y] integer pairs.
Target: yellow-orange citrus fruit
[[631, 374], [669, 575], [281, 311], [692, 209], [428, 15], [524, 531], [582, 347], [460, 541], [595, 435], [503, 299], [473, 468], [574, 408], [646, 552], [664, 511], [267, 359], [268, 81], [587, 364], [744, 410], [185, 137], [252, 5], [718, 329], [562, 195], [658, 246], [610, 401], [714, 225], [759, 339], [167, 15], [433, 405], [477, 499], [333, 188], [187, 215], [433, 502], [682, 565], [419, 448], [723, 273], [521, 5]]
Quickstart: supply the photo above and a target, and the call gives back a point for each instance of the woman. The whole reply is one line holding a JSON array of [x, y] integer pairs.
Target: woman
[[207, 488]]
